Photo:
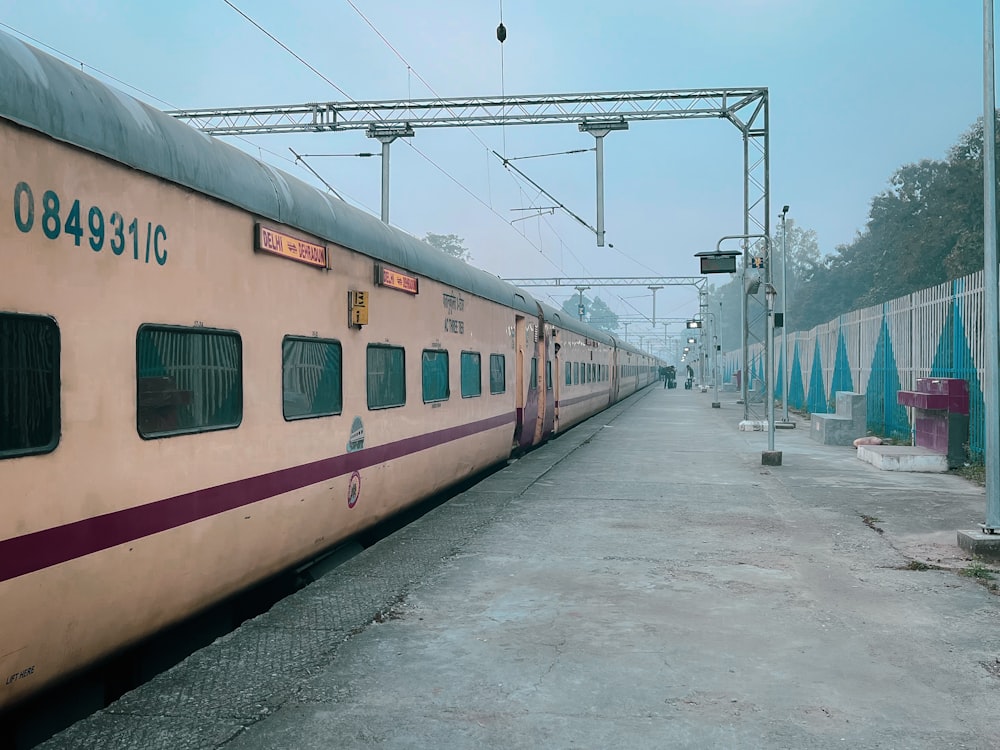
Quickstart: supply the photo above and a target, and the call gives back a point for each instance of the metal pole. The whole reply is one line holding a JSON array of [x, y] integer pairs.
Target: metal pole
[[715, 340], [654, 290], [718, 373], [579, 309], [599, 137], [784, 315], [992, 317], [599, 130], [385, 178], [769, 368]]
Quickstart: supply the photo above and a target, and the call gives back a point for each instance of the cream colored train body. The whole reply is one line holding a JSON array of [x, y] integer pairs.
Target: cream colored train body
[[191, 399]]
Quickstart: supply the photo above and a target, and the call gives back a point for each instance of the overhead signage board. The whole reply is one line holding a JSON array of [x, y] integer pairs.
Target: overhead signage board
[[267, 240], [721, 263]]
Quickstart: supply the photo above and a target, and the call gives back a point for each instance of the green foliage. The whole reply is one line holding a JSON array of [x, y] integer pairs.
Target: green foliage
[[924, 229], [979, 571], [596, 312], [450, 244]]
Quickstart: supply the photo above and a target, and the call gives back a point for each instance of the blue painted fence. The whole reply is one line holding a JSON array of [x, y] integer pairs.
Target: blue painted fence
[[880, 350]]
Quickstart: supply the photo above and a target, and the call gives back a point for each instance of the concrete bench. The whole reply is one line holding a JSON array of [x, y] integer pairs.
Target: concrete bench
[[844, 426]]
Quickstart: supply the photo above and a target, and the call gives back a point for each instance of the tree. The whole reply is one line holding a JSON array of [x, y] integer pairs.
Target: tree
[[450, 244], [602, 316], [595, 313]]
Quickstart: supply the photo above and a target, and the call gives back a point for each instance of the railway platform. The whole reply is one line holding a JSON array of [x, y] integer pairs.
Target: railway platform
[[640, 582]]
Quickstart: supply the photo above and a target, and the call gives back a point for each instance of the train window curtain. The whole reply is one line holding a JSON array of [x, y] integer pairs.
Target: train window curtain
[[311, 378], [189, 380], [498, 373], [29, 385], [434, 375], [472, 374], [386, 376]]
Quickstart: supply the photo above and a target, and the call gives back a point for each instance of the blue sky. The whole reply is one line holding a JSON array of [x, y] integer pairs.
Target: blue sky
[[857, 89]]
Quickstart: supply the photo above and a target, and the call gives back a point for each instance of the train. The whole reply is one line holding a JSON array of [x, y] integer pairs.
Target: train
[[211, 371]]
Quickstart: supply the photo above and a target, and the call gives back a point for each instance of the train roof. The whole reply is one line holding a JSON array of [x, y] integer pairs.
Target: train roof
[[42, 93]]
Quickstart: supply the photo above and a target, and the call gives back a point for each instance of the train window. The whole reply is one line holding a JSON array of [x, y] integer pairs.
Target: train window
[[569, 373], [29, 385], [548, 374], [533, 378], [386, 376], [311, 378], [434, 375], [498, 373], [188, 380], [472, 374]]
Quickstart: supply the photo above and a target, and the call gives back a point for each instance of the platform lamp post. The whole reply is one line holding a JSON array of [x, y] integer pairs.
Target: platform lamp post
[[692, 325], [715, 357]]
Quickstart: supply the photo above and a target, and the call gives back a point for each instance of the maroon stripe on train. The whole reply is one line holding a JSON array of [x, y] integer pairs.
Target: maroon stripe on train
[[42, 549], [578, 399]]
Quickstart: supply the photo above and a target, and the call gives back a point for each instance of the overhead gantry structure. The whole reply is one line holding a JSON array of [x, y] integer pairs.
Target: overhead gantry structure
[[596, 113]]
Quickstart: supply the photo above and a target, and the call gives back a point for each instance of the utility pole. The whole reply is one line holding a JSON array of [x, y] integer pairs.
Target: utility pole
[[785, 367]]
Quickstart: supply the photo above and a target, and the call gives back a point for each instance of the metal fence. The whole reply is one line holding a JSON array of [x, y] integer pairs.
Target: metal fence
[[879, 350]]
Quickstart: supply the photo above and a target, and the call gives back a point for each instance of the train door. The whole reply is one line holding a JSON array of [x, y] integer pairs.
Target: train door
[[520, 390], [535, 407], [614, 375], [557, 385], [551, 376]]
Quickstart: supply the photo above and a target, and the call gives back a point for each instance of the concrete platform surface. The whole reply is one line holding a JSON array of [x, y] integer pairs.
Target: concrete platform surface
[[641, 582]]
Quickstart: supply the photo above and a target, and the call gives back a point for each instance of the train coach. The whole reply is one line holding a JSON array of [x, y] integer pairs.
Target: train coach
[[210, 371]]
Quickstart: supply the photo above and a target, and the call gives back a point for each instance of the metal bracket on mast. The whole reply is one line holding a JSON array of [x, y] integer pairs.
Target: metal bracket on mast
[[387, 135], [599, 130]]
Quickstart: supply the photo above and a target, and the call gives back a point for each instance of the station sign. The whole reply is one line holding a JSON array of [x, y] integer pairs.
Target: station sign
[[268, 240], [718, 262], [390, 277]]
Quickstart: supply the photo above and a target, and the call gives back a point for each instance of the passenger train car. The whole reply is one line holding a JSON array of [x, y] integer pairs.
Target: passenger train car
[[210, 371]]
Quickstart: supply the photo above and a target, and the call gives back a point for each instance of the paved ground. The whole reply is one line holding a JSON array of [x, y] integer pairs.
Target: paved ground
[[641, 582]]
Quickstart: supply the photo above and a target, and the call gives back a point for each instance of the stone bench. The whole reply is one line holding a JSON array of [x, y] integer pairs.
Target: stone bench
[[844, 426]]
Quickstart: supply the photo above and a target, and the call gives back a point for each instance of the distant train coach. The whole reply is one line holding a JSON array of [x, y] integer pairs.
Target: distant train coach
[[210, 371]]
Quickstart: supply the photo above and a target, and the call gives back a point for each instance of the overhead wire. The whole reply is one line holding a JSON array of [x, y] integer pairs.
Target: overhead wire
[[412, 71]]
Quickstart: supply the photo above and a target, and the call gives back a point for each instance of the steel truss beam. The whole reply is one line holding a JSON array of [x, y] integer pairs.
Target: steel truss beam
[[698, 281], [472, 111]]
